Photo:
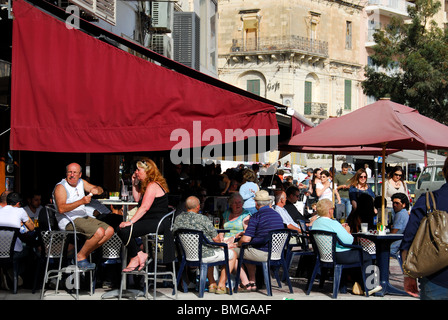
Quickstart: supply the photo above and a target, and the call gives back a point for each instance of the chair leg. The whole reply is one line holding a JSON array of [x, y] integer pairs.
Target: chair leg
[[277, 276], [15, 276], [313, 276], [180, 277], [202, 279], [286, 273], [336, 280], [267, 278]]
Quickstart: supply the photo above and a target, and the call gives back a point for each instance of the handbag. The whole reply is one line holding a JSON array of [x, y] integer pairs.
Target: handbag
[[429, 249]]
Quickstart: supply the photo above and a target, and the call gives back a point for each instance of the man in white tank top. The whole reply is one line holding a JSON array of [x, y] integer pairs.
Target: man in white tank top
[[70, 199]]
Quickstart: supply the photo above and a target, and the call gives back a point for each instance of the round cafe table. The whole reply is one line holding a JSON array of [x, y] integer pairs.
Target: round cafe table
[[382, 243]]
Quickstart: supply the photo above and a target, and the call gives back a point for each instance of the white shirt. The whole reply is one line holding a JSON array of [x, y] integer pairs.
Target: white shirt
[[13, 217], [328, 192], [285, 216], [73, 194], [31, 214]]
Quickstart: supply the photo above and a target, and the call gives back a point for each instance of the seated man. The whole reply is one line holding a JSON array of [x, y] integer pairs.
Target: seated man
[[292, 196], [192, 219], [70, 200], [400, 204], [280, 201], [261, 223], [12, 215]]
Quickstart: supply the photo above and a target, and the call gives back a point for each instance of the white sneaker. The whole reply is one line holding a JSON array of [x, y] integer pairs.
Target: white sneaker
[[375, 290]]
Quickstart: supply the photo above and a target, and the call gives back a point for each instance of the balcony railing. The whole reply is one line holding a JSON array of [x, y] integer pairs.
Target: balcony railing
[[315, 110], [307, 45]]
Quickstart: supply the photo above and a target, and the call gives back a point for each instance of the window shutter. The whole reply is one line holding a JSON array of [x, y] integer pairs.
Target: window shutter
[[308, 97], [253, 86], [348, 95]]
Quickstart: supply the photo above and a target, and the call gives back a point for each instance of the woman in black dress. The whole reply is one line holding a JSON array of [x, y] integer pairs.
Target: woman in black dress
[[149, 189]]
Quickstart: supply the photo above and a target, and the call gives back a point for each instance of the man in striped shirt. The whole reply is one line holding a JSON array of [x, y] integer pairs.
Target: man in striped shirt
[[261, 223]]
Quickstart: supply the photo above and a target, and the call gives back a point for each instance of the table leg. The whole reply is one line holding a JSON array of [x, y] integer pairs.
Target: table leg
[[383, 261]]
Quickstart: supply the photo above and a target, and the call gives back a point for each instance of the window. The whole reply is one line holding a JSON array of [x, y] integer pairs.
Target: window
[[308, 97], [348, 95], [348, 35], [253, 86]]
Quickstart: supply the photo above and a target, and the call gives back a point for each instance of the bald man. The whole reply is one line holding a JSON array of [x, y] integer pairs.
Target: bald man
[[192, 219], [70, 199]]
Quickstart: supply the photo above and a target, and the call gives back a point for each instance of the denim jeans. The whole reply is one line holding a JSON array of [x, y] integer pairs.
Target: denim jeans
[[432, 291], [348, 206]]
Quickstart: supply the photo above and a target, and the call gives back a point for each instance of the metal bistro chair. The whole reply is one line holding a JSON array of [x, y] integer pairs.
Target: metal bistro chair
[[8, 237], [277, 242], [111, 252], [190, 242], [54, 247], [324, 244], [152, 241]]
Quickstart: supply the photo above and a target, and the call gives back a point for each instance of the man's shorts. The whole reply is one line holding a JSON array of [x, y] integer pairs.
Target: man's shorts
[[87, 226], [254, 254]]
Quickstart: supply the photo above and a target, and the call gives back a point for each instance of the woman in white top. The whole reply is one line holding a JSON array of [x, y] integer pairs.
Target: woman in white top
[[324, 188], [394, 184]]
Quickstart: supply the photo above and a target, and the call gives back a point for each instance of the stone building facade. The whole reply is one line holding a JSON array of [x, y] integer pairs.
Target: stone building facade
[[308, 54]]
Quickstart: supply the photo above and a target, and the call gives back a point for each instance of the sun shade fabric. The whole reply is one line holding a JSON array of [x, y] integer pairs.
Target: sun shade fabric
[[74, 93], [382, 122]]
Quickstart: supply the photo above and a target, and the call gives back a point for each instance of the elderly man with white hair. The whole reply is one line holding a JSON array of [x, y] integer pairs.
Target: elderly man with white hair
[[261, 223]]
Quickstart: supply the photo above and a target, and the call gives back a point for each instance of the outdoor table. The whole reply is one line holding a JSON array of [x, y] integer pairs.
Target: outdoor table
[[382, 243], [125, 205], [126, 293]]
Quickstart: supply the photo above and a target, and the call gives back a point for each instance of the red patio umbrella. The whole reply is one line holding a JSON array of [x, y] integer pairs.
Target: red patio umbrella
[[383, 124]]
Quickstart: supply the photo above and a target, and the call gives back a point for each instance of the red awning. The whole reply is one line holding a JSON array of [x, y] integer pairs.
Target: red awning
[[74, 93]]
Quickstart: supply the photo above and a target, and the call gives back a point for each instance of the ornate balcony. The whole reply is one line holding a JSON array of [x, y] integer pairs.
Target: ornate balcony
[[273, 47]]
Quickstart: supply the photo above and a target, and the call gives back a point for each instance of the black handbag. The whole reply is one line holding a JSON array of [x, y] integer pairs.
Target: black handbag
[[429, 249]]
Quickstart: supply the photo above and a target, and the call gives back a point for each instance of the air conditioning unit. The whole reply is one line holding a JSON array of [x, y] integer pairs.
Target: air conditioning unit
[[186, 39], [162, 44], [162, 16]]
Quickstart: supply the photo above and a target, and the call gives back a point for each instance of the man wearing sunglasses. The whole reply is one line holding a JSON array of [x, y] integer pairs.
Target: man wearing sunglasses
[[70, 199]]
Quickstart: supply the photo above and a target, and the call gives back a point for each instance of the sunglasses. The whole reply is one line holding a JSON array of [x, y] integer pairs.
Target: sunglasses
[[362, 177], [397, 174], [142, 164]]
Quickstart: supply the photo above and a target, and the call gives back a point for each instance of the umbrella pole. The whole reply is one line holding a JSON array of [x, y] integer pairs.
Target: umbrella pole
[[383, 187], [332, 182]]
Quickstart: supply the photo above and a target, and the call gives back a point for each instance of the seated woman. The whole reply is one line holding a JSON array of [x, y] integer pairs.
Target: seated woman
[[149, 189], [235, 218], [344, 255]]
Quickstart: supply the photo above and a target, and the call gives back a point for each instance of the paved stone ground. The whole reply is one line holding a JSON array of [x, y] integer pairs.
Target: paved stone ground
[[299, 286]]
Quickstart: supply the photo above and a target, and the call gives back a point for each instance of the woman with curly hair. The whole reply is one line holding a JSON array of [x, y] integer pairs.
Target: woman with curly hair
[[149, 189]]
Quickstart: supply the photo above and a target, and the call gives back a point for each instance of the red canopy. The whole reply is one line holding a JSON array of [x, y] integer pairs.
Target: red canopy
[[384, 121], [74, 93]]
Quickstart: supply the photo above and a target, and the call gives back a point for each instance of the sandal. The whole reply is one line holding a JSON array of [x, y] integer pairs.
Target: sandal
[[253, 286], [244, 287], [222, 290], [212, 288]]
